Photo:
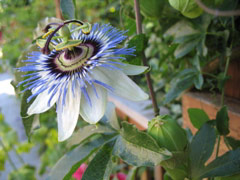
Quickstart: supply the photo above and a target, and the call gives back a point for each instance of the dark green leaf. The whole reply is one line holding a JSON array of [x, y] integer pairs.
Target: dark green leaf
[[222, 121], [151, 8], [234, 177], [225, 165], [68, 9], [201, 148], [72, 160], [197, 117], [101, 165], [234, 143], [138, 148], [139, 42]]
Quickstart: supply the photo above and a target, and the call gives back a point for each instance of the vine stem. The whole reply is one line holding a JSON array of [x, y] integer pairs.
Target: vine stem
[[159, 171], [225, 74], [9, 158], [217, 12], [144, 59]]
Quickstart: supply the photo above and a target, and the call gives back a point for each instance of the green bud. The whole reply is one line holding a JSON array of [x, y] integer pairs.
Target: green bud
[[65, 32], [167, 133]]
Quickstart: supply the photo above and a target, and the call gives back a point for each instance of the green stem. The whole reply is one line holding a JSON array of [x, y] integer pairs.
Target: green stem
[[225, 74], [218, 145], [9, 158]]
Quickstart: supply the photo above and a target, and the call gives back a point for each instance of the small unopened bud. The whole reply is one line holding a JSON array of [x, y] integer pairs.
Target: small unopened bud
[[167, 133]]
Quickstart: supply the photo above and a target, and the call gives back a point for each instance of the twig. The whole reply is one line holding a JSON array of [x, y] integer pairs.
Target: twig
[[217, 12], [144, 60]]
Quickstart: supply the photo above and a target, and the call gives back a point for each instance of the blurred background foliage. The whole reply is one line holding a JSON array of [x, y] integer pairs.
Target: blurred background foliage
[[179, 43]]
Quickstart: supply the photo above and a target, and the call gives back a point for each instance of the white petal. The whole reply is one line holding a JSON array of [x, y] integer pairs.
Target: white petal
[[112, 116], [122, 84], [40, 104], [94, 112], [67, 115], [131, 70]]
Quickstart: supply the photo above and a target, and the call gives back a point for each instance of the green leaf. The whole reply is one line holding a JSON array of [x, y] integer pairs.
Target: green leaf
[[234, 177], [27, 120], [88, 131], [234, 143], [188, 8], [71, 161], [198, 81], [24, 147], [222, 120], [151, 8], [101, 165], [179, 86], [225, 165], [2, 159], [201, 148], [139, 42], [186, 47], [26, 172], [68, 9], [138, 148], [197, 117]]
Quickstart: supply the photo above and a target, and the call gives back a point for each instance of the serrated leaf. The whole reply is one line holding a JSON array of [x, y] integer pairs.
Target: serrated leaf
[[201, 148], [68, 9], [71, 161], [138, 148], [101, 165], [197, 117], [225, 165], [222, 120]]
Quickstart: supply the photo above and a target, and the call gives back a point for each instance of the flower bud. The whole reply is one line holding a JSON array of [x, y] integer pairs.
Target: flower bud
[[167, 133]]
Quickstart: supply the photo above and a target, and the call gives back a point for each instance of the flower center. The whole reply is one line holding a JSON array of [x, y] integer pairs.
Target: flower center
[[70, 60]]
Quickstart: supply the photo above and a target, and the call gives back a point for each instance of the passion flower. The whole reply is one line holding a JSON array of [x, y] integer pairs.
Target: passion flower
[[77, 71]]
